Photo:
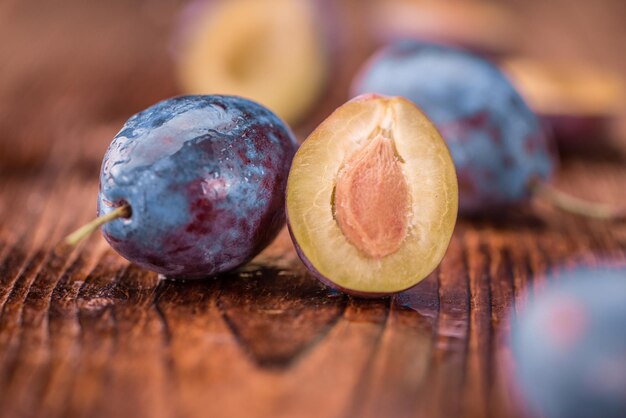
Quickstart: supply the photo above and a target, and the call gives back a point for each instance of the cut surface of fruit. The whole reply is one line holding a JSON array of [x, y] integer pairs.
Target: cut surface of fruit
[[372, 197], [579, 103], [565, 88], [270, 51]]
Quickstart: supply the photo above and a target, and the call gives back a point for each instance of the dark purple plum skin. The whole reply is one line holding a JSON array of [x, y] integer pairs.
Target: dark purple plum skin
[[498, 145], [205, 177], [569, 346]]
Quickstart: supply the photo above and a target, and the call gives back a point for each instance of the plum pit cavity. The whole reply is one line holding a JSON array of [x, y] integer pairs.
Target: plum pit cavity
[[371, 199]]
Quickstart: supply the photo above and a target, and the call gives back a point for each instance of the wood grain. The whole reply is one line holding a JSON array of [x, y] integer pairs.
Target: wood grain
[[83, 333]]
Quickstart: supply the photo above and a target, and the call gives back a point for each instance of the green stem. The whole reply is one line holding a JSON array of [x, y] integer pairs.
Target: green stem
[[86, 230], [575, 205]]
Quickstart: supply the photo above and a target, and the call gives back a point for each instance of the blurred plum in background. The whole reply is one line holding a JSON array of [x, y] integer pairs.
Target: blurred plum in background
[[569, 346], [579, 103], [496, 141], [270, 51]]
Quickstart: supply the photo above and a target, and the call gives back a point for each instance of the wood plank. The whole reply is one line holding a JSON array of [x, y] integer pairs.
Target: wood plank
[[83, 333]]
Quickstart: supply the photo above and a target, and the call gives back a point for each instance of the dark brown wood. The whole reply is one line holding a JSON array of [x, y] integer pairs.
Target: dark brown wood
[[85, 334]]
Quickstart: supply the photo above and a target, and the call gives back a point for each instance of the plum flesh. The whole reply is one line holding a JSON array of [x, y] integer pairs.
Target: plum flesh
[[271, 51], [496, 142], [205, 178], [577, 103]]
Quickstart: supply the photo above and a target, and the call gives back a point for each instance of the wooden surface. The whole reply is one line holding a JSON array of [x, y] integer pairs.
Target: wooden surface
[[85, 334]]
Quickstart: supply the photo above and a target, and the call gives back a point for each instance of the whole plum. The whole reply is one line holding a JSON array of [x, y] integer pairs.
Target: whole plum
[[496, 142], [569, 346], [204, 181]]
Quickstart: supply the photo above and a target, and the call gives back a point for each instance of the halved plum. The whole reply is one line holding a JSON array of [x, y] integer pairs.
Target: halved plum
[[270, 51], [372, 197], [579, 103]]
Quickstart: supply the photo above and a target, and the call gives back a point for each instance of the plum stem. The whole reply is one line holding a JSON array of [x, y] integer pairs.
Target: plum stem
[[576, 205], [87, 229]]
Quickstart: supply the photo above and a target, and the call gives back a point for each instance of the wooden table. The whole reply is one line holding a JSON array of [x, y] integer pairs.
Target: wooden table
[[83, 333]]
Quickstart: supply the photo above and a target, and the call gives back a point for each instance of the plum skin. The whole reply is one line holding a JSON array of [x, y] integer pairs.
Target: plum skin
[[497, 143], [569, 346], [205, 177]]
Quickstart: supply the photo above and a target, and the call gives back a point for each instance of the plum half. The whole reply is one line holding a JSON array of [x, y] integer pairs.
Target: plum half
[[271, 51], [578, 103], [372, 197]]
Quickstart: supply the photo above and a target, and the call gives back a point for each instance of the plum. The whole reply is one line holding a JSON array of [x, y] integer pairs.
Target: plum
[[569, 346], [372, 197], [271, 51], [497, 143], [197, 184], [578, 103]]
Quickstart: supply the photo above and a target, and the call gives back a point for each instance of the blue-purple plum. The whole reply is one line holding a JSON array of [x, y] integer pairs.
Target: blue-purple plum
[[205, 179], [569, 346], [497, 143]]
